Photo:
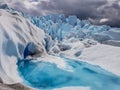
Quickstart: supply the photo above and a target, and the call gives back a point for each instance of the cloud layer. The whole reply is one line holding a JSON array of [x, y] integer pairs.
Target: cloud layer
[[97, 11]]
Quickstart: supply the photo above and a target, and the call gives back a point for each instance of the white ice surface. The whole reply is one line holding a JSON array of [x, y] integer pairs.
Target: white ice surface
[[15, 33], [73, 88], [107, 57], [55, 60], [15, 30]]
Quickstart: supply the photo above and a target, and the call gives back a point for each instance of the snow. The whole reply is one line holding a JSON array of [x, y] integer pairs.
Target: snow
[[69, 37], [15, 33], [60, 27], [73, 88], [47, 75], [76, 46], [83, 29], [55, 60], [105, 56], [71, 28]]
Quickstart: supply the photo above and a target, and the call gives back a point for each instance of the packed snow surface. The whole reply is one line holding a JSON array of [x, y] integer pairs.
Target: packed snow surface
[[108, 57]]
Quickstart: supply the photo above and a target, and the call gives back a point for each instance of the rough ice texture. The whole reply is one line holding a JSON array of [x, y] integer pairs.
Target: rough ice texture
[[60, 27], [76, 39], [15, 34], [64, 36]]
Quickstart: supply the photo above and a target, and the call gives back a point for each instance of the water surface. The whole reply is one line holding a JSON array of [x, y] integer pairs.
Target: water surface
[[47, 76]]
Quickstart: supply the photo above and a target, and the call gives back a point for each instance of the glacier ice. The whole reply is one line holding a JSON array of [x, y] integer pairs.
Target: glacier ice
[[75, 33], [15, 34], [80, 31], [60, 27], [63, 36]]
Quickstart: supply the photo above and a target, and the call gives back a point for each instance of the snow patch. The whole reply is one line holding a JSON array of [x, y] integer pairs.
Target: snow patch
[[107, 57]]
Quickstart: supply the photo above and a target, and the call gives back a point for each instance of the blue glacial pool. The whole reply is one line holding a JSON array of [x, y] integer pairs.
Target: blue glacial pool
[[47, 76]]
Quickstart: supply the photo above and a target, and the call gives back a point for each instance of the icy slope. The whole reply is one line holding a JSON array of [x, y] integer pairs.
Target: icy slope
[[18, 39], [107, 57]]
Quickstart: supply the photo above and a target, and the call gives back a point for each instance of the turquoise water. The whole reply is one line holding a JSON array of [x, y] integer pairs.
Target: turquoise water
[[47, 76]]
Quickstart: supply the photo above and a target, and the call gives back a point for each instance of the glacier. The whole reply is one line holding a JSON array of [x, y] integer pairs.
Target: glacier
[[15, 33], [59, 52], [60, 27]]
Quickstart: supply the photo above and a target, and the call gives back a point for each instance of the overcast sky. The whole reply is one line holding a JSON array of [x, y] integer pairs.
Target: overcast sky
[[97, 11]]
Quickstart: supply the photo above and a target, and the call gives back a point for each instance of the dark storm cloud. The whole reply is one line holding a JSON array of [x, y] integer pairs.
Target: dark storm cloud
[[97, 11], [83, 8]]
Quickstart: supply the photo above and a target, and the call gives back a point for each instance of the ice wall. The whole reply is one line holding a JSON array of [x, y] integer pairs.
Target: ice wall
[[17, 35], [60, 27]]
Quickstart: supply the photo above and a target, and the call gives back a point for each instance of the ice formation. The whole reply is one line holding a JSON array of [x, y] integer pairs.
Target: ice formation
[[15, 34], [25, 47], [60, 27]]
